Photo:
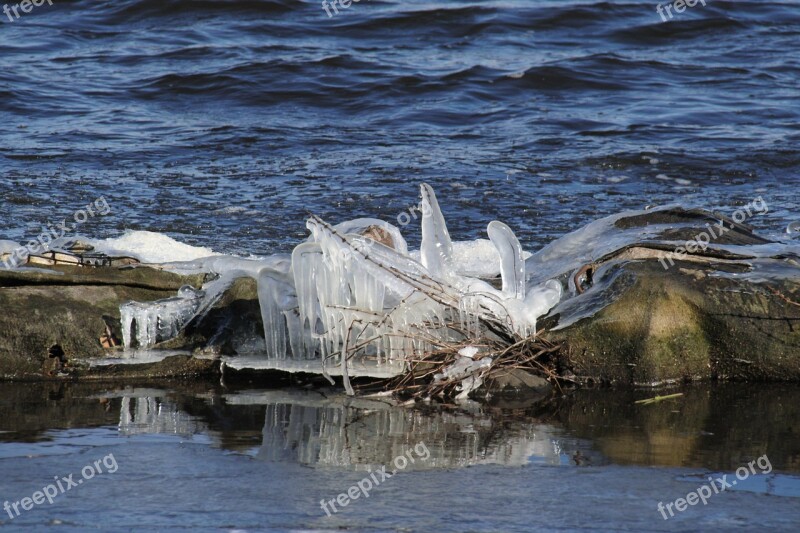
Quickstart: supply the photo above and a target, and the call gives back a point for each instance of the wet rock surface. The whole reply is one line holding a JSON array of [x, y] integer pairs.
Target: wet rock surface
[[65, 306], [693, 321]]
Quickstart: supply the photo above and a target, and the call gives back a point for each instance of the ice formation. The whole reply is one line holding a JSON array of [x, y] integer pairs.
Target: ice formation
[[354, 293], [160, 320], [150, 247]]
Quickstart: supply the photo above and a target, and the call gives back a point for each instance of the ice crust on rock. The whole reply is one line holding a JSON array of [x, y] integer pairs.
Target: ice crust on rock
[[159, 320], [150, 247]]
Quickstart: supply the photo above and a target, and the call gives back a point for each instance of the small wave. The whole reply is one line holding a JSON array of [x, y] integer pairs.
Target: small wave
[[134, 10]]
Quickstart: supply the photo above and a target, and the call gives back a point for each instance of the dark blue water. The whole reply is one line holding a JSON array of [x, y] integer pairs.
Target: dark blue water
[[224, 123]]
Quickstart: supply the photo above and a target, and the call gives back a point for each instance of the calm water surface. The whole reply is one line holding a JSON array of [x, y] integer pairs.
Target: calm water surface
[[207, 457]]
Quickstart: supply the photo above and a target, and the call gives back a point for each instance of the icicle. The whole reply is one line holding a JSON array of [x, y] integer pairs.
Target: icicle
[[126, 313], [307, 266], [271, 315], [436, 251], [160, 320], [512, 267]]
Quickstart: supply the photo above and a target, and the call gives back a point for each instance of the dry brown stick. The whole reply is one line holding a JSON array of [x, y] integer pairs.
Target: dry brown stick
[[783, 297]]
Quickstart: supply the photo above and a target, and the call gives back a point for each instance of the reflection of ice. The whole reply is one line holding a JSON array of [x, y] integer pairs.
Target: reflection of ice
[[151, 414], [310, 429]]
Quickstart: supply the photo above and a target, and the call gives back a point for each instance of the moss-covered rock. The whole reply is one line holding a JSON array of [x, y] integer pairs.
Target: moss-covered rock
[[689, 322]]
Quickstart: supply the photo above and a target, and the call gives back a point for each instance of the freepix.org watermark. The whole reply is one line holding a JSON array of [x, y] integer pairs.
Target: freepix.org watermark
[[62, 484], [715, 231], [363, 487], [50, 233], [678, 5], [333, 4], [715, 486], [26, 6]]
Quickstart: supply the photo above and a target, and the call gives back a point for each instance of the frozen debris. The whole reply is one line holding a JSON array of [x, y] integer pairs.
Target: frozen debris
[[353, 294], [468, 351], [463, 367], [466, 371], [467, 385]]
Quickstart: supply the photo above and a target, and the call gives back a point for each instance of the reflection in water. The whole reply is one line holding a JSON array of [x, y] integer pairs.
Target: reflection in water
[[715, 427], [340, 432], [267, 457], [711, 426], [154, 414]]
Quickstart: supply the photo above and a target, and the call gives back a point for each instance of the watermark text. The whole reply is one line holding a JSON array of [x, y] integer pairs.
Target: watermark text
[[62, 484]]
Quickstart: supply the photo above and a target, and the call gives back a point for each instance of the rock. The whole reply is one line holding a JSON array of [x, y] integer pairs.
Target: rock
[[65, 306], [505, 385], [380, 235], [516, 380], [51, 367], [176, 366], [643, 324]]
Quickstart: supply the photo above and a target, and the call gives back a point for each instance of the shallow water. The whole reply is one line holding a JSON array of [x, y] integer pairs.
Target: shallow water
[[206, 457]]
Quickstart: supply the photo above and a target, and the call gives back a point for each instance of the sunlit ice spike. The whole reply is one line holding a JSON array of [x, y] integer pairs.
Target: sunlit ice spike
[[512, 266], [436, 252]]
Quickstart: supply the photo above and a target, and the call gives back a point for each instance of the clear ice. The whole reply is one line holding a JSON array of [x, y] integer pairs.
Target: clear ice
[[345, 299]]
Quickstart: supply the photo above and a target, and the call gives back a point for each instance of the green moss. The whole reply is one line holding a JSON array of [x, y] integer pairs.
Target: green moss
[[686, 324]]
